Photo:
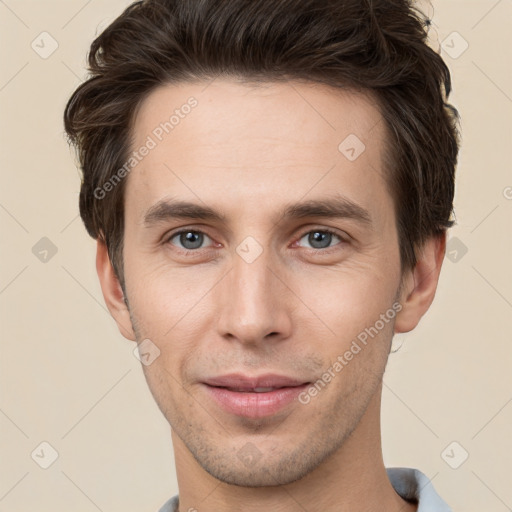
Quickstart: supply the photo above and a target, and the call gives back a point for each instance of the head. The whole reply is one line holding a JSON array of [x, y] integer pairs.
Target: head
[[267, 182]]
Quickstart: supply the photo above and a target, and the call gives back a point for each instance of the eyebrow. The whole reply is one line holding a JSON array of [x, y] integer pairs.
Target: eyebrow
[[168, 209], [335, 207]]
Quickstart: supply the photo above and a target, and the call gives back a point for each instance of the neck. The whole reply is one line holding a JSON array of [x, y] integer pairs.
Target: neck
[[352, 479]]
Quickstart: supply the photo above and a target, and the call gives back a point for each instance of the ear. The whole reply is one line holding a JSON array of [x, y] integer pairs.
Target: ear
[[112, 292], [420, 284]]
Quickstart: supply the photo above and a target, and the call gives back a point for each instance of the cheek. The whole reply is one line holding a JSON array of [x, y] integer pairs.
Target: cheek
[[162, 298], [174, 308], [348, 302]]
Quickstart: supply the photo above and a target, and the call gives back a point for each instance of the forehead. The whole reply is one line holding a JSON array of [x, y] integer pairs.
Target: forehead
[[224, 141], [260, 109]]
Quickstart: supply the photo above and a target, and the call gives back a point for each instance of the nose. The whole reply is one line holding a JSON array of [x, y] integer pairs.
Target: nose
[[253, 302]]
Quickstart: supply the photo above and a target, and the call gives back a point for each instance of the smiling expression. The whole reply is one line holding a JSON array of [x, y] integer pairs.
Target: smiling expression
[[255, 247]]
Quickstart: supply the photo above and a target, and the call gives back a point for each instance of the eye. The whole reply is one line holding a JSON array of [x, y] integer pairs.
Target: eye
[[192, 240], [188, 239], [320, 238]]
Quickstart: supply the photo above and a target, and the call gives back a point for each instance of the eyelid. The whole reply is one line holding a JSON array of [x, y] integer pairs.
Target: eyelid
[[176, 231], [344, 238], [169, 236], [342, 235]]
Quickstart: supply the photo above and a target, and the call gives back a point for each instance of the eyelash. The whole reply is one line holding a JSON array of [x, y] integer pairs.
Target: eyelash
[[343, 240], [327, 250]]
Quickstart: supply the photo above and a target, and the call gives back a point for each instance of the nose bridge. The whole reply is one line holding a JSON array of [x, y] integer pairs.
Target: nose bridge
[[252, 303]]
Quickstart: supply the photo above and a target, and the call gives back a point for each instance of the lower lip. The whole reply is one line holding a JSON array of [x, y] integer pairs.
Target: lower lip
[[254, 405]]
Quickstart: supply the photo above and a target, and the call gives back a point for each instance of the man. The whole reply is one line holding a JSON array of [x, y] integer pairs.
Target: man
[[270, 185]]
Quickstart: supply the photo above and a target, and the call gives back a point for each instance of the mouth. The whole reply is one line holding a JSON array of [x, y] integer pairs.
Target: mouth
[[256, 397], [252, 390]]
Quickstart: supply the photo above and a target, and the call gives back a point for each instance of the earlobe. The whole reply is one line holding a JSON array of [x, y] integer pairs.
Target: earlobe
[[112, 292], [420, 284]]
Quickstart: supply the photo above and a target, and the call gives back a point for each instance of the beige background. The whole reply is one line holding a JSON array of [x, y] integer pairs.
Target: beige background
[[68, 377]]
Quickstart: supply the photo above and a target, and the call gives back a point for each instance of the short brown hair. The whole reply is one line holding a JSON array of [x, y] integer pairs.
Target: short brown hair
[[378, 46]]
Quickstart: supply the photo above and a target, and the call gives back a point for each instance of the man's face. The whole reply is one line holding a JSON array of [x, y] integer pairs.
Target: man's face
[[255, 292]]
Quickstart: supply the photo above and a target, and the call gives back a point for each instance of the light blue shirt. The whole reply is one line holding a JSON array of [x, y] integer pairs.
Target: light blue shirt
[[409, 483]]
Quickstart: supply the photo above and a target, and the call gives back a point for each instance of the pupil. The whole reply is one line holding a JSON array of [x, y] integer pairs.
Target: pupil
[[319, 237], [191, 238]]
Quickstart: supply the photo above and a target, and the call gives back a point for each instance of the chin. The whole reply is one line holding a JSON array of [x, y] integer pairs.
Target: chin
[[242, 476]]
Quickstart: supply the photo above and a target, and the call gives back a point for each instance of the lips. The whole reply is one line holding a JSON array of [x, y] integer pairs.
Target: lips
[[251, 390], [259, 384], [253, 397]]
